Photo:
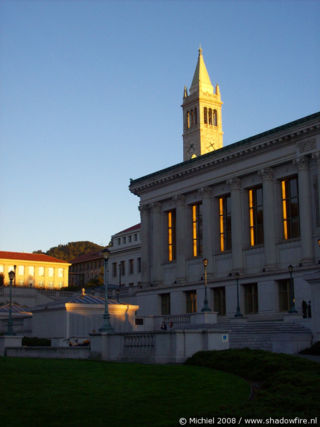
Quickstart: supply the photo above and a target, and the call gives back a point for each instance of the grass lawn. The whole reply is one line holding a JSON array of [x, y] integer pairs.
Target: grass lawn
[[42, 392]]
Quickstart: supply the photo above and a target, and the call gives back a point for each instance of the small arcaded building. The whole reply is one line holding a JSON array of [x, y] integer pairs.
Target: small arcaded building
[[33, 270]]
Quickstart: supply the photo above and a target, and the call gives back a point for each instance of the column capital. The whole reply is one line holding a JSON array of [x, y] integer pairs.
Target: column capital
[[156, 206], [143, 208], [205, 192], [316, 156], [266, 174], [235, 183], [180, 199], [302, 163]]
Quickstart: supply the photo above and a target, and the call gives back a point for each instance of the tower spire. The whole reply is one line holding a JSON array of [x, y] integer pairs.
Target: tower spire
[[201, 81], [202, 122]]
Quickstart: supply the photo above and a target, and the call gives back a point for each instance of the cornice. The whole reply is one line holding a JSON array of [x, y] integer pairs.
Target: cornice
[[229, 153]]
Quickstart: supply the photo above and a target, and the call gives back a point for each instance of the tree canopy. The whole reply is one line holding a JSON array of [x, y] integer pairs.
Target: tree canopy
[[71, 250]]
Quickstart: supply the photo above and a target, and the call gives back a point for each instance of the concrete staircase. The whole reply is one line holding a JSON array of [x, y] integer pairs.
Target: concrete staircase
[[277, 336]]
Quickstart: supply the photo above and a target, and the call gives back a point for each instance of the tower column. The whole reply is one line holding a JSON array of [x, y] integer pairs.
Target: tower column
[[181, 236], [208, 228], [145, 245], [156, 244], [305, 210], [268, 218], [236, 225]]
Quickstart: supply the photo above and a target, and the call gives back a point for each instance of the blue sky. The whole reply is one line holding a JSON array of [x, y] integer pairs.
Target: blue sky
[[91, 92]]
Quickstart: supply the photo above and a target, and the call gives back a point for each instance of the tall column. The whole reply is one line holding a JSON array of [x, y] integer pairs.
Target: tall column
[[236, 225], [305, 210], [145, 245], [156, 244], [317, 157], [268, 219], [207, 229], [182, 236]]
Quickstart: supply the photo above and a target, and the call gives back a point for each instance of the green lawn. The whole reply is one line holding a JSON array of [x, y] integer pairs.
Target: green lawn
[[41, 392]]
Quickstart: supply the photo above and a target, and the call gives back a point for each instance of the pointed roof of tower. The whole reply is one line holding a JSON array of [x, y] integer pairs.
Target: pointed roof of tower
[[201, 80]]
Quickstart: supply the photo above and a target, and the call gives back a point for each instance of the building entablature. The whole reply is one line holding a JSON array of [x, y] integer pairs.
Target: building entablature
[[280, 145]]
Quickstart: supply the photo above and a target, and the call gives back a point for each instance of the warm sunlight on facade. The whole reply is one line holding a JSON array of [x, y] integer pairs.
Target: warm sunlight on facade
[[34, 270]]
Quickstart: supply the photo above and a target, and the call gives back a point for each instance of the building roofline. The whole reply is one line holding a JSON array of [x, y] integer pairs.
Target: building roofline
[[226, 148]]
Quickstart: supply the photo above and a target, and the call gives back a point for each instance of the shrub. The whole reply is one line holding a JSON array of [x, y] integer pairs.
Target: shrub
[[289, 383]]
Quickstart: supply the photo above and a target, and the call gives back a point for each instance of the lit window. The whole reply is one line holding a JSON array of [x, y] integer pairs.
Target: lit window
[[225, 222], [165, 304], [1, 268], [205, 115], [171, 235], [188, 120], [41, 271], [290, 208], [60, 272], [20, 270], [50, 271], [31, 271], [197, 229], [255, 216], [191, 301]]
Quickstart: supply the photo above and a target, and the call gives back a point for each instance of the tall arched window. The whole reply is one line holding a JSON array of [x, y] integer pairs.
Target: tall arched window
[[215, 118], [192, 119], [188, 120], [205, 115], [195, 116], [210, 116]]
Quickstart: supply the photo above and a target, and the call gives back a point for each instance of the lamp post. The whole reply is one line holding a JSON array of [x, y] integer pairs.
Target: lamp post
[[10, 320], [205, 307], [292, 308], [238, 312], [106, 327]]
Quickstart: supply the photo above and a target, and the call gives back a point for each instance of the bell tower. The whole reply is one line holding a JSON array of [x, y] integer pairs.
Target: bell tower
[[202, 121]]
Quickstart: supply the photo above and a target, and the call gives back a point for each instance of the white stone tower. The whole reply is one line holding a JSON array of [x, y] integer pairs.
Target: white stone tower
[[202, 121]]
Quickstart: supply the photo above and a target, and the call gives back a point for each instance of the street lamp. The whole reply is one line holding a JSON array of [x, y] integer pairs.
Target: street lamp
[[292, 297], [10, 320], [205, 307], [106, 327], [238, 312]]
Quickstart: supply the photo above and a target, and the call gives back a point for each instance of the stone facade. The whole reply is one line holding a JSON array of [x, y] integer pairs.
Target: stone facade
[[124, 259], [33, 270], [252, 210]]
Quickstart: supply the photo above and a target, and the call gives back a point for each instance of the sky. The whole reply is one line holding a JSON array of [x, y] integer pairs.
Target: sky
[[91, 93]]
